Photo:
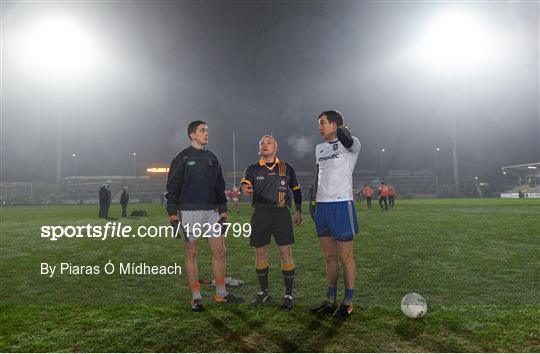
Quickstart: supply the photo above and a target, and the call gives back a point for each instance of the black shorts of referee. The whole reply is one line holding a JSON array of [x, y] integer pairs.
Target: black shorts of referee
[[268, 221]]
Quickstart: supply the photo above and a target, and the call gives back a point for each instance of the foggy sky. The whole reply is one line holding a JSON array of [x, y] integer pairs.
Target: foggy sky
[[256, 68]]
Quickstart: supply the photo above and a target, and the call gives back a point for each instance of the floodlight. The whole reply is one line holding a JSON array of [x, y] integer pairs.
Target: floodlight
[[455, 40], [55, 47]]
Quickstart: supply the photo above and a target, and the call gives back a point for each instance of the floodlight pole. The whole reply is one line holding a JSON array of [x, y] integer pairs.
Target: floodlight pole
[[74, 164], [59, 138], [538, 80], [134, 164], [234, 157], [382, 163], [437, 170], [454, 156], [454, 143]]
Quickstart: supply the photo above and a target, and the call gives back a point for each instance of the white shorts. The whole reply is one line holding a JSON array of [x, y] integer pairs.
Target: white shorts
[[200, 224]]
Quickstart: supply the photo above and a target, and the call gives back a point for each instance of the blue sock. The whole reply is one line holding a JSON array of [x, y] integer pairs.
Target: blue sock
[[331, 294], [349, 294]]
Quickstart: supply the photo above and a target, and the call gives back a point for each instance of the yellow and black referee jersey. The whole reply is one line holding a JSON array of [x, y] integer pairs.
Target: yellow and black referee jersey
[[271, 182]]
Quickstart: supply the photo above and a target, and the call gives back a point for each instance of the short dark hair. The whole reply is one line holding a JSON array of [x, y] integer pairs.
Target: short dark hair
[[333, 117], [192, 127]]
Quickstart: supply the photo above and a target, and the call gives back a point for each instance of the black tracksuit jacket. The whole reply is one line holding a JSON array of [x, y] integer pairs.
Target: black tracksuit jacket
[[195, 182]]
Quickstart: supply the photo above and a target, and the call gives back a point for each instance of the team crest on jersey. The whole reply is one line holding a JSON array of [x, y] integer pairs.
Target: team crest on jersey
[[282, 183], [335, 147], [210, 163]]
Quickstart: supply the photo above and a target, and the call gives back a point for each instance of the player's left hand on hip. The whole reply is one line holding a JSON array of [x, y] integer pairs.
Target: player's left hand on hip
[[223, 216]]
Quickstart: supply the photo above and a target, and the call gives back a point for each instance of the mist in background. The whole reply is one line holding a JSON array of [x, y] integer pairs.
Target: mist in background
[[257, 68]]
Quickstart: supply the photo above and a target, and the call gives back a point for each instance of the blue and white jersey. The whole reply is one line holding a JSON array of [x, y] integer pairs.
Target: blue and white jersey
[[336, 165]]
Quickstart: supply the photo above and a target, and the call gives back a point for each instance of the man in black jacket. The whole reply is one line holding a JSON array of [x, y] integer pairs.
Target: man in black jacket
[[196, 198], [104, 201], [124, 199]]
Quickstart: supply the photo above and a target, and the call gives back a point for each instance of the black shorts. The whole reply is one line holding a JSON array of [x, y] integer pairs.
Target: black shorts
[[268, 221]]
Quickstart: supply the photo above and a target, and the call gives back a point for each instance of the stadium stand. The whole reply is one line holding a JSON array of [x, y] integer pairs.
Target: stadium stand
[[151, 188], [528, 181]]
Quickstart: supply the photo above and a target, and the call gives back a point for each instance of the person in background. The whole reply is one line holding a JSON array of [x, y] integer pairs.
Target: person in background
[[235, 193], [361, 196], [104, 201], [391, 196], [124, 199], [368, 192], [383, 196]]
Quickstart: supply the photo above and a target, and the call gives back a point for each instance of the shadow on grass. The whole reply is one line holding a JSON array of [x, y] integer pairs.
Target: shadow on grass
[[284, 343], [229, 334], [408, 328], [321, 331], [321, 327]]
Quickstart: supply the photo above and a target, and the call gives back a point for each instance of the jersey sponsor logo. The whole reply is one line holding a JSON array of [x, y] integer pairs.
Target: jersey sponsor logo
[[282, 183], [326, 158], [191, 163]]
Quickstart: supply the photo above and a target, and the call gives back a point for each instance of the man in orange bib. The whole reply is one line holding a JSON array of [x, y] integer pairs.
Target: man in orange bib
[[391, 196], [368, 193], [383, 196]]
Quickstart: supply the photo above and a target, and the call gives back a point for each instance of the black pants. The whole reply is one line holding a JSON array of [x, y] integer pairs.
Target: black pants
[[124, 210], [385, 199], [368, 201], [104, 210], [391, 201]]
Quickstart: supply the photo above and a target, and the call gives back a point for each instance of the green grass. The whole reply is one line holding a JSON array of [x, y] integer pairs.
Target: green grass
[[475, 261]]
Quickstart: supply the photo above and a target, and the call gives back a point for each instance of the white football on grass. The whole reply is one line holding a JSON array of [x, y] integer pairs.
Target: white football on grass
[[413, 305]]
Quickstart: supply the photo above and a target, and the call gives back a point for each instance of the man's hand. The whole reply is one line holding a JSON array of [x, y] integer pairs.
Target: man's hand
[[247, 189], [223, 216], [344, 136], [298, 218], [175, 223]]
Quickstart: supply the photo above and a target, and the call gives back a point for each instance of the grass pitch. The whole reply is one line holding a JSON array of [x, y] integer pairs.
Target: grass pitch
[[475, 261]]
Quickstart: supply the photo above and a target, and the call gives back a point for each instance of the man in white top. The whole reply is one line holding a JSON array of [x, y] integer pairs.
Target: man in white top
[[335, 215]]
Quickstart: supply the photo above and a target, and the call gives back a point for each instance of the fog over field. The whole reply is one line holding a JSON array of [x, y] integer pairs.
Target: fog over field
[[128, 77]]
